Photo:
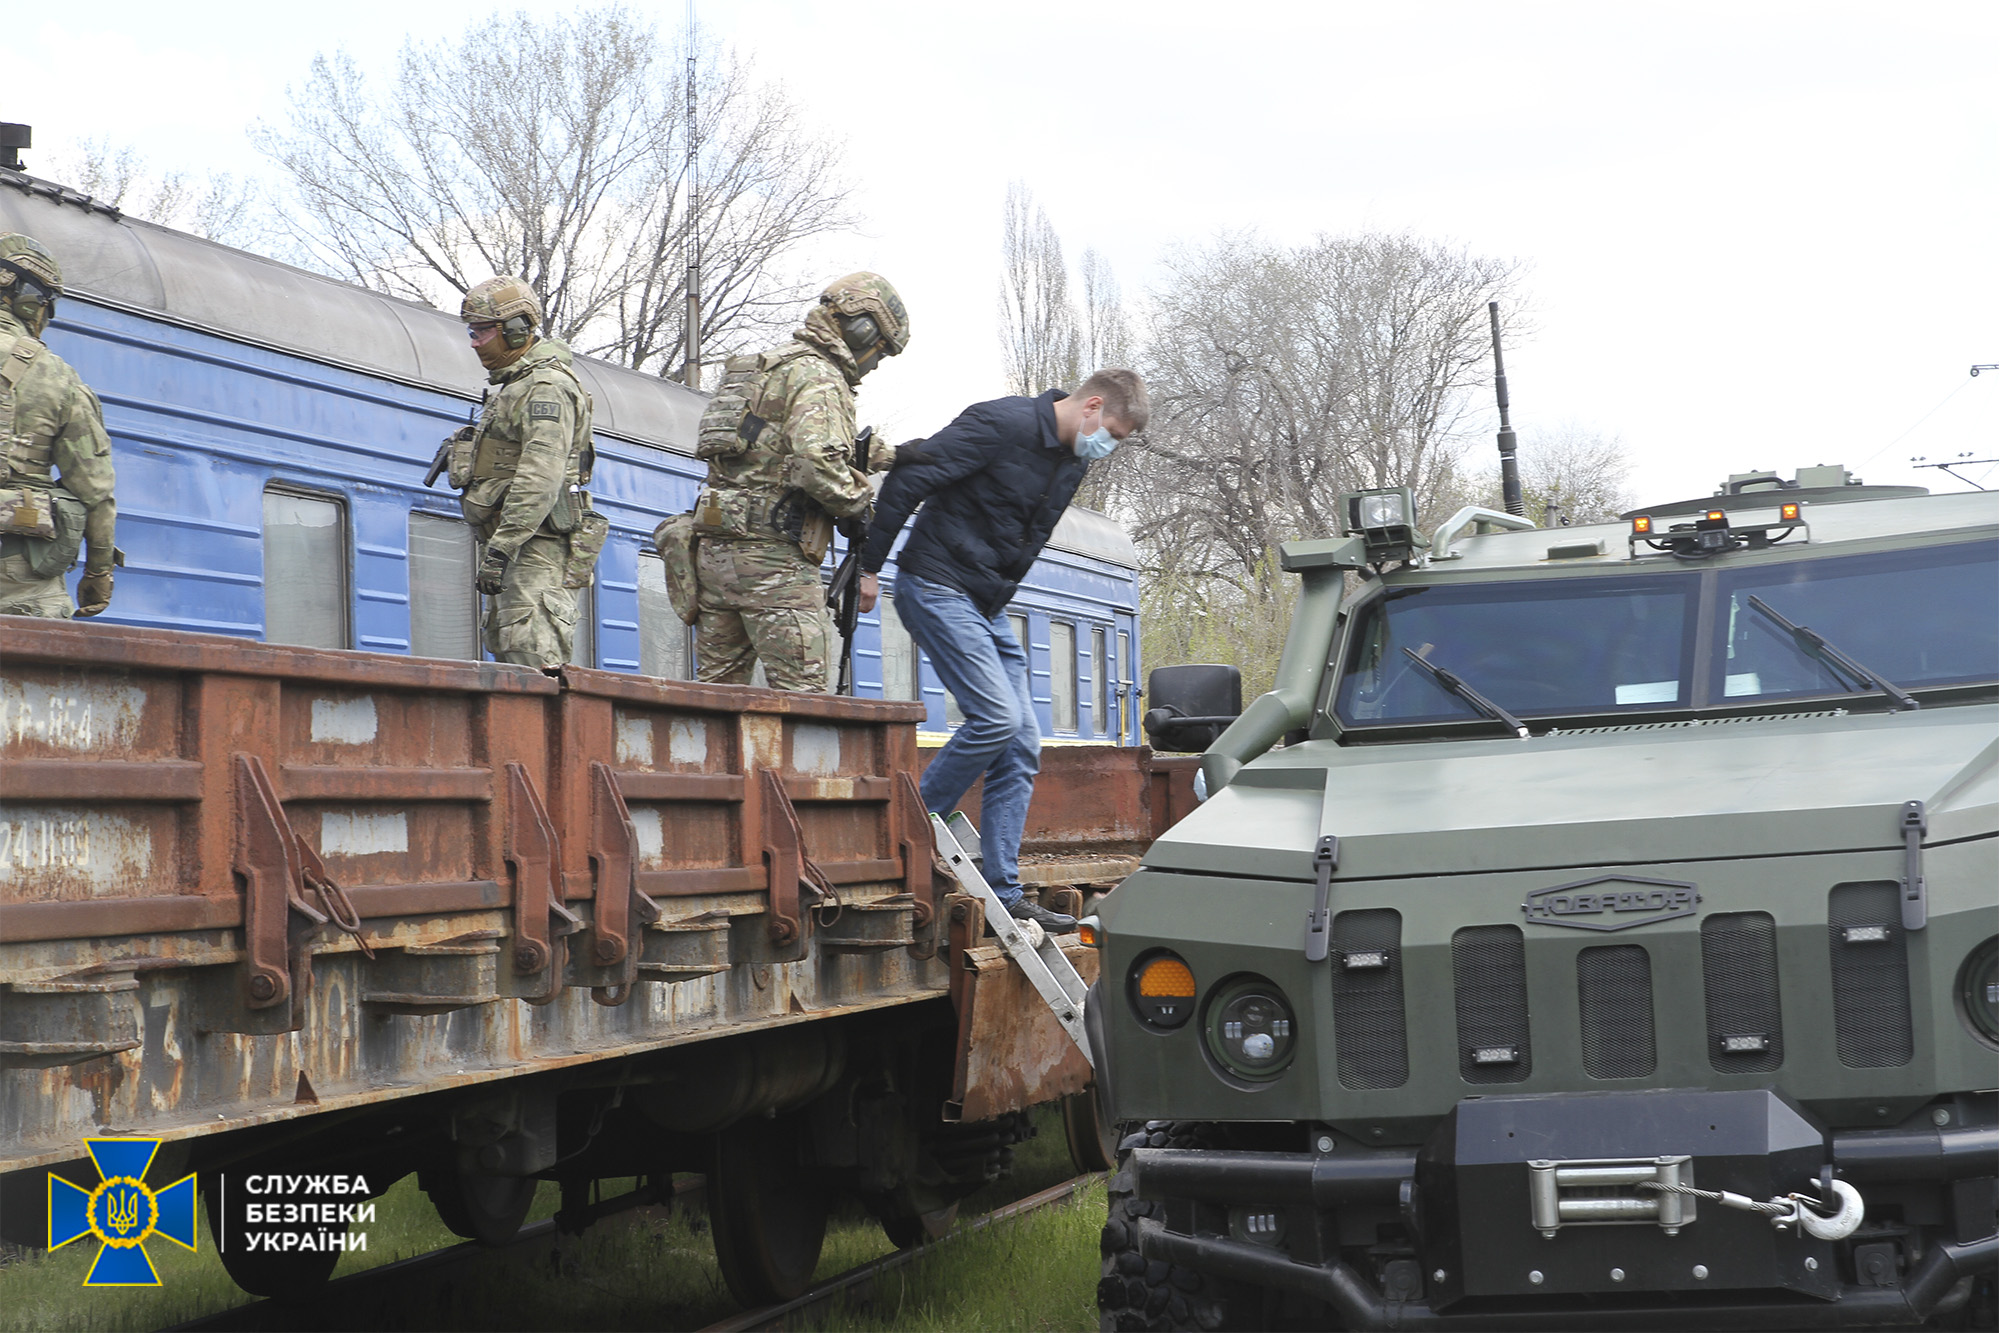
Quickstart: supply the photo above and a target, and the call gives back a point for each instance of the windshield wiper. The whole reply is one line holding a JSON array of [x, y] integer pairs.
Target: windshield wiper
[[1470, 695], [1815, 646]]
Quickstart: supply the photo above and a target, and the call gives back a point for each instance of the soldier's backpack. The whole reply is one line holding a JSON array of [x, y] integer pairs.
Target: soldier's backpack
[[738, 414]]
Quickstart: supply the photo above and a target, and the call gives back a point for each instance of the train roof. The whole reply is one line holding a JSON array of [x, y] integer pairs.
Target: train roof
[[124, 262]]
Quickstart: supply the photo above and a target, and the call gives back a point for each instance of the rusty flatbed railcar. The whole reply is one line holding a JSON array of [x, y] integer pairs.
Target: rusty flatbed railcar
[[289, 909]]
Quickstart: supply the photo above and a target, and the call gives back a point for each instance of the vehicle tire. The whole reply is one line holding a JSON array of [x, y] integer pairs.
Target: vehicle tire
[[767, 1209], [1133, 1292], [286, 1276], [488, 1209], [907, 1232], [1093, 1140]]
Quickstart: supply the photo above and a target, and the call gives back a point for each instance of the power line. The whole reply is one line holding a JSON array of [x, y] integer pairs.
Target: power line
[[1918, 422]]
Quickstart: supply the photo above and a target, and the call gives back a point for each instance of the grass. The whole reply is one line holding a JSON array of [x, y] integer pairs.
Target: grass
[[649, 1272]]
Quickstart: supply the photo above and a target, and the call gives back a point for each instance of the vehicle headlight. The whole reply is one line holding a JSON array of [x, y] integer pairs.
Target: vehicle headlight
[[1250, 1028], [1162, 990], [1979, 992]]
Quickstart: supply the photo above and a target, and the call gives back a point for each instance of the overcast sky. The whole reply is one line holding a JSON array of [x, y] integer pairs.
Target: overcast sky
[[1757, 235]]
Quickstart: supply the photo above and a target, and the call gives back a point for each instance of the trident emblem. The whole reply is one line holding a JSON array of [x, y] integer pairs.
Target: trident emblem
[[122, 1213]]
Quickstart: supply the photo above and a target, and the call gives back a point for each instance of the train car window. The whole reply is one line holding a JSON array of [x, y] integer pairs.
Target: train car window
[[1062, 675], [444, 608], [305, 570], [665, 641], [899, 655], [1127, 673], [1100, 684], [583, 649], [1020, 627]]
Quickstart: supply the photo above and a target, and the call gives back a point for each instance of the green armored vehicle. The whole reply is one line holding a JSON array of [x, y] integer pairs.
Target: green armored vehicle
[[1611, 946]]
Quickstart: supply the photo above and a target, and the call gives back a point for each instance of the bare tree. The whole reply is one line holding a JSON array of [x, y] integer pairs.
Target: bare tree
[[1104, 334], [214, 205], [1282, 377], [1038, 325], [556, 149]]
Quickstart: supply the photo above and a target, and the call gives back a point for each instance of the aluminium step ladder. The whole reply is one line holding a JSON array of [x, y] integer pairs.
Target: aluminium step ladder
[[1034, 951]]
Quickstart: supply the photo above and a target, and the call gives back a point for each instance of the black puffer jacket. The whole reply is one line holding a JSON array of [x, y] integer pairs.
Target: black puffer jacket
[[993, 484]]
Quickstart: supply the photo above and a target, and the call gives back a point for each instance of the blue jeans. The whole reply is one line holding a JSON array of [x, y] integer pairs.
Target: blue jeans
[[977, 658]]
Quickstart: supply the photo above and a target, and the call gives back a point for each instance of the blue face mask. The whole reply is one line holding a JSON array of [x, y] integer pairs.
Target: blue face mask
[[1098, 444]]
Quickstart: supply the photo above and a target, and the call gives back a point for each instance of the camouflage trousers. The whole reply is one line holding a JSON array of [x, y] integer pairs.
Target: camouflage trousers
[[759, 600], [22, 594], [532, 622]]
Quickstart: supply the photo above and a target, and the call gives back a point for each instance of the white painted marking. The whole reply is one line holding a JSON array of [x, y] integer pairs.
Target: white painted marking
[[652, 835], [635, 740], [113, 856], [687, 742], [95, 716], [363, 832], [344, 721], [816, 749]]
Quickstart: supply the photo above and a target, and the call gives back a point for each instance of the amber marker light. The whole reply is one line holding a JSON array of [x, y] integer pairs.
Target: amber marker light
[[1088, 934], [1642, 525], [1163, 991], [1166, 978], [1789, 511], [1716, 516]]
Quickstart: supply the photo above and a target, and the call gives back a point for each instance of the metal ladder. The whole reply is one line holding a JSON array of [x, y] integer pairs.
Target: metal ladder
[[1033, 950]]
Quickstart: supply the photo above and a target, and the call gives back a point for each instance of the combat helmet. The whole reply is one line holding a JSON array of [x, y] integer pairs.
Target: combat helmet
[[30, 280], [869, 313], [508, 302]]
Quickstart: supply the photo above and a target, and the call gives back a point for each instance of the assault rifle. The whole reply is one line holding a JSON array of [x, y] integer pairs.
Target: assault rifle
[[843, 595], [442, 459]]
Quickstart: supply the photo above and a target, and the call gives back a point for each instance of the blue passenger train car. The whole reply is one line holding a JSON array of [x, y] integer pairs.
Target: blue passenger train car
[[271, 429]]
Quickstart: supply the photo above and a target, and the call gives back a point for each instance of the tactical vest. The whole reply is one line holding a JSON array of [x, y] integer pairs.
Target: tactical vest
[[28, 461], [745, 414], [481, 456]]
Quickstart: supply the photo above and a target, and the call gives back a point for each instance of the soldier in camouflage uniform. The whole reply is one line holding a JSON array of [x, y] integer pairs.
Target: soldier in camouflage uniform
[[778, 437], [522, 471], [55, 459]]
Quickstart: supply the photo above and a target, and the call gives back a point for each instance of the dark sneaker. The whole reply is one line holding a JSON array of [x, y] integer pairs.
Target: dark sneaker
[[1055, 923]]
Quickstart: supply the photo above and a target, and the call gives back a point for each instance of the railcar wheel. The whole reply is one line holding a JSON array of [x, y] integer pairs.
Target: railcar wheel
[[1093, 1140], [290, 1276], [1134, 1292], [767, 1208], [909, 1231], [488, 1209]]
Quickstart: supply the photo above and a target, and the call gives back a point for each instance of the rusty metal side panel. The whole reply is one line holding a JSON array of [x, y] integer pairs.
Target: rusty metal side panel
[[1012, 1053]]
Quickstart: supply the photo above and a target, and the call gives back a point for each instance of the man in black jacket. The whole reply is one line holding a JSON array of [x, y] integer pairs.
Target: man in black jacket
[[992, 483]]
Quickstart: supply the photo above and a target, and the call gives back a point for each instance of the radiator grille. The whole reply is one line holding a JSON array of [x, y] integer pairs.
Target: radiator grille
[[1372, 1048], [1871, 976], [1489, 975], [1614, 988], [1739, 973]]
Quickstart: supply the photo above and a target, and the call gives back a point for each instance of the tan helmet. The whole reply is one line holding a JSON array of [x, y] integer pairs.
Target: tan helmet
[[508, 302], [869, 296], [30, 280]]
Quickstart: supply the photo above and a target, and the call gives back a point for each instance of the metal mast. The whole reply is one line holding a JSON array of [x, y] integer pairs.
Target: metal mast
[[691, 366]]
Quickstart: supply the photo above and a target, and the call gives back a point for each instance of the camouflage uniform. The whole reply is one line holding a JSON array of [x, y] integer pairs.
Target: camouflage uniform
[[55, 459], [779, 440], [522, 470]]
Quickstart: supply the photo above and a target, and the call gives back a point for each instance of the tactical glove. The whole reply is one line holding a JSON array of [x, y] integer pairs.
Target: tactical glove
[[492, 570], [93, 593], [912, 451], [855, 526]]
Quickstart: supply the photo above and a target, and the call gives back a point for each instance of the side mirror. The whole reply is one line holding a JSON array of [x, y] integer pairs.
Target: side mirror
[[1191, 705]]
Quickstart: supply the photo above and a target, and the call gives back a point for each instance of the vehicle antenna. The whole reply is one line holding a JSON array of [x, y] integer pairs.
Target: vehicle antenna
[[1510, 471], [691, 369]]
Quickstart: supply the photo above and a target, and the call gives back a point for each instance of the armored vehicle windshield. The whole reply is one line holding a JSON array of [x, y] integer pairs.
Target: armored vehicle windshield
[[1673, 640]]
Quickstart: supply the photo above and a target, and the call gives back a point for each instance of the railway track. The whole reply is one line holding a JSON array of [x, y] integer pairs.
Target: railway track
[[377, 1297], [791, 1313]]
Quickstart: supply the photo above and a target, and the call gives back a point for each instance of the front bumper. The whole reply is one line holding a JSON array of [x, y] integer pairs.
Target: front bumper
[[1496, 1247]]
